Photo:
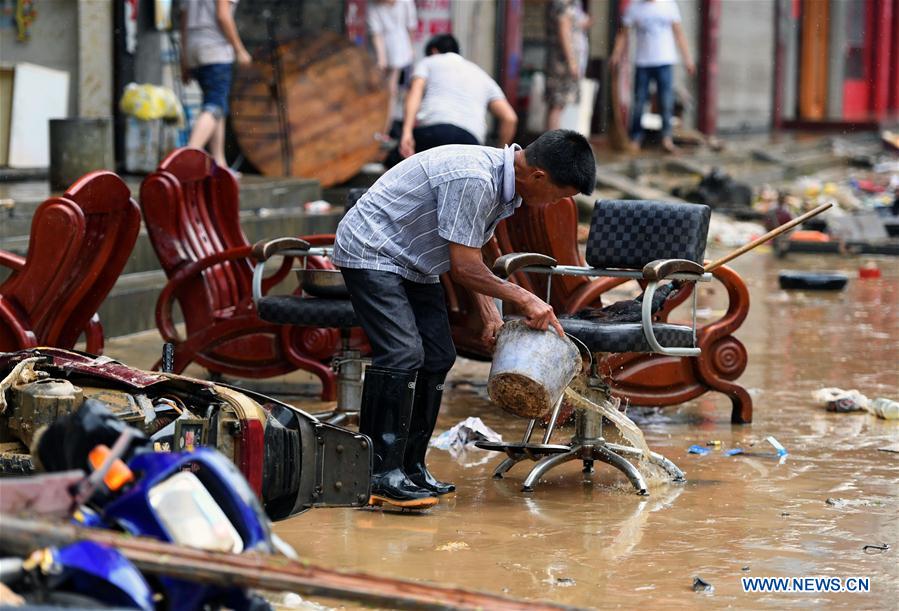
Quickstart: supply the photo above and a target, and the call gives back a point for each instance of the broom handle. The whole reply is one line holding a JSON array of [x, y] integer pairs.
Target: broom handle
[[771, 234]]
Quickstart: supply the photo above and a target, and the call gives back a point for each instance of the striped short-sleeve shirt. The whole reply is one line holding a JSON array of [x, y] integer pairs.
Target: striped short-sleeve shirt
[[405, 222]]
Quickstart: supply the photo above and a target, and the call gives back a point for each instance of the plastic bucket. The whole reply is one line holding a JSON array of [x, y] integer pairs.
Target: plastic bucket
[[530, 369]]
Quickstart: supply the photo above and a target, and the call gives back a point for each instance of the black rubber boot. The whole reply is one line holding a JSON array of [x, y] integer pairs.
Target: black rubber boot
[[428, 393], [385, 415]]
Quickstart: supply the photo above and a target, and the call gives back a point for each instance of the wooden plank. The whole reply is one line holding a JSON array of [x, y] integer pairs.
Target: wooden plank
[[335, 101], [253, 570]]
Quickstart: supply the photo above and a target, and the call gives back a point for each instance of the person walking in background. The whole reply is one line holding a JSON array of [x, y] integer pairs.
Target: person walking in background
[[391, 24], [447, 102], [566, 56], [659, 36], [210, 45]]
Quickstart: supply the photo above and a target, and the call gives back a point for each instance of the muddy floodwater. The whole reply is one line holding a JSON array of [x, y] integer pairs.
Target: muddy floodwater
[[589, 541]]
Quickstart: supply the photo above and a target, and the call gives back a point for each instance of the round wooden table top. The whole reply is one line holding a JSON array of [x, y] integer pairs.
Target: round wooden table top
[[334, 100]]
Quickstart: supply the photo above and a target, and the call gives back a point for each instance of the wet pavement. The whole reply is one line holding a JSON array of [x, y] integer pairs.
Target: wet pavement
[[591, 542]]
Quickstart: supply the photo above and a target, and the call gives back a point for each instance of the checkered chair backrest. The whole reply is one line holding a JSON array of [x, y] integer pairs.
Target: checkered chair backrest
[[631, 233]]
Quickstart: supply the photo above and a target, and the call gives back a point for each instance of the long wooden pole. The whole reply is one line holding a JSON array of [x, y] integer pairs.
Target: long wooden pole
[[251, 570], [771, 234]]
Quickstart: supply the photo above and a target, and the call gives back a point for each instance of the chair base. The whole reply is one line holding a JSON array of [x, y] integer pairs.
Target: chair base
[[586, 445], [348, 365]]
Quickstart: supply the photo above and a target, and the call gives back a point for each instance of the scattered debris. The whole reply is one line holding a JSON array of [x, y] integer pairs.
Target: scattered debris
[[781, 451], [839, 400], [716, 443], [463, 434], [876, 549], [893, 448], [453, 546], [700, 585], [697, 449], [884, 408], [733, 451], [745, 568]]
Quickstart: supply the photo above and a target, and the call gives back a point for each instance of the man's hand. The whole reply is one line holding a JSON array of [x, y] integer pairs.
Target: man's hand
[[493, 322], [691, 67], [539, 314], [407, 145]]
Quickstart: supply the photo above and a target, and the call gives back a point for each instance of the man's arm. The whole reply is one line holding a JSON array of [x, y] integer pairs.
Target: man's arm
[[508, 120], [468, 269], [413, 103], [681, 41], [377, 41], [229, 29]]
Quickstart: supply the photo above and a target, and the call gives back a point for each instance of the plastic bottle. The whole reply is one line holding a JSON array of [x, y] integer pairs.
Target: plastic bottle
[[884, 408]]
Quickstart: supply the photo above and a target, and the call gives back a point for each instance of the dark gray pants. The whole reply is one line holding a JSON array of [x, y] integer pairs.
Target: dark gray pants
[[406, 322]]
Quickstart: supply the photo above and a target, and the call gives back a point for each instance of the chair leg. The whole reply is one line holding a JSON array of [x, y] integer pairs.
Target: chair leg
[[504, 466], [603, 453], [545, 464]]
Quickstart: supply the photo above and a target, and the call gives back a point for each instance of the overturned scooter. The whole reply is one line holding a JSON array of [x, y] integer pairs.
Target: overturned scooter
[[198, 499]]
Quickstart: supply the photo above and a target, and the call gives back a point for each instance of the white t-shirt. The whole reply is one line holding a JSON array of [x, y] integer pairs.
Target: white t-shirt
[[393, 20], [652, 20], [457, 92], [206, 44]]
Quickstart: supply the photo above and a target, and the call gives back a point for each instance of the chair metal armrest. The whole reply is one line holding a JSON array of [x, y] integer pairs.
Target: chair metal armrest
[[649, 333], [263, 250], [662, 268], [506, 265]]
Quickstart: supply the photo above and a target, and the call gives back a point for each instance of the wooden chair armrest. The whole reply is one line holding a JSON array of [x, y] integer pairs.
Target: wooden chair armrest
[[507, 265], [166, 298], [11, 261], [263, 250], [662, 268], [20, 328]]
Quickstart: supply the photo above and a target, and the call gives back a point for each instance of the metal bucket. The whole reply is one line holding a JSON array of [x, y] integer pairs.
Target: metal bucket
[[531, 369]]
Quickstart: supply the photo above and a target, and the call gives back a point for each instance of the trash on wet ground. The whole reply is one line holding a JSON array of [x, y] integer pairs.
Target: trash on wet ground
[[876, 549], [698, 449], [893, 448], [465, 434], [778, 447], [844, 401], [733, 451], [701, 585], [839, 400], [884, 408], [453, 546]]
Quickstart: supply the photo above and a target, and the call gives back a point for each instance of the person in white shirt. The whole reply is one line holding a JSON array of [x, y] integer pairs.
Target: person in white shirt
[[448, 100], [392, 24], [659, 37]]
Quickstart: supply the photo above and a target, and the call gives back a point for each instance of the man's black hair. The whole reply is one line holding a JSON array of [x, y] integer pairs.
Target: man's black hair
[[442, 43], [567, 157]]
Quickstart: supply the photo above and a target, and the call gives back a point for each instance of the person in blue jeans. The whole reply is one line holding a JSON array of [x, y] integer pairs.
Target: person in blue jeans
[[210, 45], [659, 37]]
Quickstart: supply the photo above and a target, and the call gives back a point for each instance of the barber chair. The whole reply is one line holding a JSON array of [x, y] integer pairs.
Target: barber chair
[[325, 303], [642, 240]]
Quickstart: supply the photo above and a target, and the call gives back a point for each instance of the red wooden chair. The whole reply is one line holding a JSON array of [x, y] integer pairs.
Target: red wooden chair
[[79, 245], [642, 378], [191, 211]]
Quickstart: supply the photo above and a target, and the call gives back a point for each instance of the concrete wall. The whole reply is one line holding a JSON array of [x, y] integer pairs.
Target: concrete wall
[[746, 65], [474, 25], [94, 58], [53, 43]]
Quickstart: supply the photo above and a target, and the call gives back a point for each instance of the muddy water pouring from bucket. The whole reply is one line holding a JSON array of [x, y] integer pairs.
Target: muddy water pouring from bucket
[[531, 369]]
